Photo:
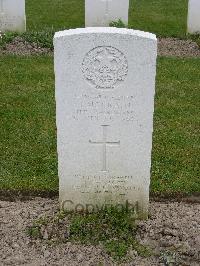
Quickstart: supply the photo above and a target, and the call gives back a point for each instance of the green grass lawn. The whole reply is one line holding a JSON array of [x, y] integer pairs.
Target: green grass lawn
[[163, 17], [28, 146], [56, 14], [28, 160], [176, 142]]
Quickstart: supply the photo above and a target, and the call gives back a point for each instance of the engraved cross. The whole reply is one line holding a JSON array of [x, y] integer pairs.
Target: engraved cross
[[107, 8], [104, 144]]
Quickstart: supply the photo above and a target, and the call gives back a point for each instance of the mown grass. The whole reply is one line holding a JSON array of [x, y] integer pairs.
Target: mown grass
[[27, 110], [28, 133], [163, 17], [57, 14], [176, 142]]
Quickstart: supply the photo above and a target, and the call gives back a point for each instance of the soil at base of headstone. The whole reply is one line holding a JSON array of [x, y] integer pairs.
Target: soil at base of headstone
[[178, 48], [166, 47], [172, 231], [18, 46]]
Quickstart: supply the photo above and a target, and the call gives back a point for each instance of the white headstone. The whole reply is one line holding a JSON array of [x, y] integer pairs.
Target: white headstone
[[12, 15], [105, 83], [100, 13], [194, 16]]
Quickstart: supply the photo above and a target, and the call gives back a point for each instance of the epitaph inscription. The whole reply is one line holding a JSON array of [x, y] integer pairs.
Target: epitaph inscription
[[120, 184], [8, 22], [104, 67]]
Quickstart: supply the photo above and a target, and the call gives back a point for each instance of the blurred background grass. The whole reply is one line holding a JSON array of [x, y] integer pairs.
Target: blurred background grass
[[163, 17]]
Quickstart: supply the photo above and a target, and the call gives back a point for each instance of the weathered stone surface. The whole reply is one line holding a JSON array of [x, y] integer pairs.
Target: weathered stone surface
[[12, 15], [101, 12], [105, 83], [194, 16]]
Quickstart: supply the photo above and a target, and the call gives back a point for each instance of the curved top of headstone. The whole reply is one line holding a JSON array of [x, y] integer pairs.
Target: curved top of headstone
[[106, 30]]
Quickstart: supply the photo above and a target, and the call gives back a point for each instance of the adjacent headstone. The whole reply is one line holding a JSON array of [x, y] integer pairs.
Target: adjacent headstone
[[12, 15], [194, 16], [101, 12], [105, 83]]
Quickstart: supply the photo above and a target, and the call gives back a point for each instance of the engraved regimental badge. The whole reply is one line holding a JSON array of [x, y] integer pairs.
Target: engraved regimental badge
[[105, 67]]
